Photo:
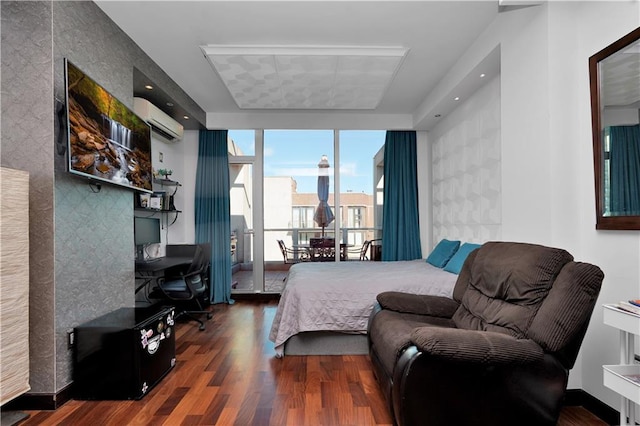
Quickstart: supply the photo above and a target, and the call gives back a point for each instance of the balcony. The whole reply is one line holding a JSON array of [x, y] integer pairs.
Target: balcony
[[300, 242]]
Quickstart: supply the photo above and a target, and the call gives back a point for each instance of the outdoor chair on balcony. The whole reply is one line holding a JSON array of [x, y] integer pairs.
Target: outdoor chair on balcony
[[362, 252], [293, 255]]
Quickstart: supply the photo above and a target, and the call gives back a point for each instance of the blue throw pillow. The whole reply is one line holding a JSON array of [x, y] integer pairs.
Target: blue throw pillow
[[455, 264], [443, 252]]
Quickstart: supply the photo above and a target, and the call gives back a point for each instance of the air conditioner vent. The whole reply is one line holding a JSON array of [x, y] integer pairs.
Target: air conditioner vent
[[164, 127]]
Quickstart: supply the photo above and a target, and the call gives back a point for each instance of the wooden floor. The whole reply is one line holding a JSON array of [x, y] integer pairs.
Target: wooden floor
[[273, 281], [228, 375]]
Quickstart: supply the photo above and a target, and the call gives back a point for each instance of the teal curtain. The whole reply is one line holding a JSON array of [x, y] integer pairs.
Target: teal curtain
[[212, 210], [624, 157], [400, 225]]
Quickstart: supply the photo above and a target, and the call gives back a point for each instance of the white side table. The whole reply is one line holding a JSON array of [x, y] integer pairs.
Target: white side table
[[616, 377]]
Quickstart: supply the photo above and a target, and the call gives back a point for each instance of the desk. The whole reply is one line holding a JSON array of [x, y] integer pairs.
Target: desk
[[150, 271]]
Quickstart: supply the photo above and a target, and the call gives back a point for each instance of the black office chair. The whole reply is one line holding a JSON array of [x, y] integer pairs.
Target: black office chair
[[189, 287]]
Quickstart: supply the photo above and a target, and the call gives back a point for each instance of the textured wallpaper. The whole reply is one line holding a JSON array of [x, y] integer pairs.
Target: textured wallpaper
[[81, 256], [93, 230], [466, 153], [27, 132]]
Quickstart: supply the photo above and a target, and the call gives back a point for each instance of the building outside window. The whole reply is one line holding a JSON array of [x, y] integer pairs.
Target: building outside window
[[354, 216], [303, 217]]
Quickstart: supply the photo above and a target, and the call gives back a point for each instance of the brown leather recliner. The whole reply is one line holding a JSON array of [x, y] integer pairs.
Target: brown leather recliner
[[499, 352]]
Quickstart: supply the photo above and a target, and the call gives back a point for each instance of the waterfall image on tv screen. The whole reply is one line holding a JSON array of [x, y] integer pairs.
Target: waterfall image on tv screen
[[107, 141]]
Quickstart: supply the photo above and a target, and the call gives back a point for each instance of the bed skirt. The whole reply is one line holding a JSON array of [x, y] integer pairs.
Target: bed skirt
[[325, 343]]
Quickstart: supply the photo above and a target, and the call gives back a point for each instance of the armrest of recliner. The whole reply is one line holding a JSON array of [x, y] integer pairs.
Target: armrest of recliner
[[421, 304], [482, 347]]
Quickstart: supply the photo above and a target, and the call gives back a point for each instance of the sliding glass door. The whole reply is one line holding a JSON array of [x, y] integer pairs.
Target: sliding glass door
[[292, 216], [247, 273], [283, 204], [361, 168]]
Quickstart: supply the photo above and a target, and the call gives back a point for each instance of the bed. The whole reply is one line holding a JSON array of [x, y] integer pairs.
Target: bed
[[325, 299]]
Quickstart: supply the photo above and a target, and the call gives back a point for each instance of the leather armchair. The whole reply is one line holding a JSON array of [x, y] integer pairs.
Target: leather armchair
[[497, 353]]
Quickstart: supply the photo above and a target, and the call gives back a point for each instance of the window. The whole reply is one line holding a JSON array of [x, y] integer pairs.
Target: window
[[361, 169], [303, 217], [354, 219], [275, 196]]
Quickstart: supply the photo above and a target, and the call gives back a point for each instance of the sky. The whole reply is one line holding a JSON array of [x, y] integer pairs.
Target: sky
[[297, 153]]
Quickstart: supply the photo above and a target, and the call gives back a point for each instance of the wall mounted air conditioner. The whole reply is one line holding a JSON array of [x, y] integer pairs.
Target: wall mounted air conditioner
[[164, 127]]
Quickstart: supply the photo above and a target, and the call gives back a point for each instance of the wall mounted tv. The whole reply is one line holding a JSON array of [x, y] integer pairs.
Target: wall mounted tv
[[106, 140]]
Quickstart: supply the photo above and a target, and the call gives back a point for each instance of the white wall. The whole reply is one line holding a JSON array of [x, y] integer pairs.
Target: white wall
[[182, 158], [466, 166], [184, 155], [425, 186], [547, 160], [190, 153], [616, 252]]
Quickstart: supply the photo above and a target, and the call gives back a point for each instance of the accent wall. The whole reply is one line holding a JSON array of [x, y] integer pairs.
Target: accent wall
[[82, 252], [466, 154]]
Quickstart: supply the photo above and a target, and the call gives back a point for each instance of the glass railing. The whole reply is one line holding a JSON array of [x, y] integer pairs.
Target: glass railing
[[298, 238], [297, 242]]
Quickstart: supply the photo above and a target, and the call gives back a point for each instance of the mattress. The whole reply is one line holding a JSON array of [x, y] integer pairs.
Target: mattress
[[339, 296]]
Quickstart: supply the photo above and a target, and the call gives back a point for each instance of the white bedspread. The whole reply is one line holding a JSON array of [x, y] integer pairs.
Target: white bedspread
[[339, 296]]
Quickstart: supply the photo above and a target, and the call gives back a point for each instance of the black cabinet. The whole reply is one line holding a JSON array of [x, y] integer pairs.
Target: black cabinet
[[123, 354]]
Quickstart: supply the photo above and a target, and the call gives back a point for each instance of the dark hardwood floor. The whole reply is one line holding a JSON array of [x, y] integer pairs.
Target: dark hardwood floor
[[228, 375]]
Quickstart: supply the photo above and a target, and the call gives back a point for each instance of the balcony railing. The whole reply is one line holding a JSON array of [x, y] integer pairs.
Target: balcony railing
[[301, 237], [274, 268]]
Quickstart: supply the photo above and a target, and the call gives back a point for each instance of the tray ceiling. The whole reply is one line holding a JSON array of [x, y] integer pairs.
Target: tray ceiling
[[305, 77], [249, 89]]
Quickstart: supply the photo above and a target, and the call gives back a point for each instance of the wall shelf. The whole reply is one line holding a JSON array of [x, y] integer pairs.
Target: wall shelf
[[167, 201], [144, 209], [167, 182]]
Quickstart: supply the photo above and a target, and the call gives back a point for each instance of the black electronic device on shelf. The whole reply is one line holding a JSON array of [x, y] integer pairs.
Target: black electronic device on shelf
[[160, 201], [123, 354]]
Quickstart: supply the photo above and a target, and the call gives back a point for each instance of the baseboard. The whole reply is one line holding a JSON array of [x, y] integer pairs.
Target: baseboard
[[11, 418], [39, 401], [579, 397]]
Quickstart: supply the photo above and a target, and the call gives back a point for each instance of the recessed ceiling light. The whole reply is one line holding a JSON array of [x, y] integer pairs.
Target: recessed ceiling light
[[482, 75], [148, 87], [169, 104], [457, 98], [186, 117]]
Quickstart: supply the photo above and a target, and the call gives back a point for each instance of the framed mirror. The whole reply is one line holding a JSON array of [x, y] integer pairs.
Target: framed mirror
[[614, 74]]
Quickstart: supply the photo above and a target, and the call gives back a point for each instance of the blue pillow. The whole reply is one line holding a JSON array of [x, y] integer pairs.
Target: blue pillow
[[455, 264], [442, 253]]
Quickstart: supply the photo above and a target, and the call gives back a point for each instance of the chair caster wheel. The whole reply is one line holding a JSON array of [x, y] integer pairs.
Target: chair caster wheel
[[209, 315], [201, 328]]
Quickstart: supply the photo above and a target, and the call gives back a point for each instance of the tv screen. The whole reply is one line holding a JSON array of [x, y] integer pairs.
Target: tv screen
[[106, 141]]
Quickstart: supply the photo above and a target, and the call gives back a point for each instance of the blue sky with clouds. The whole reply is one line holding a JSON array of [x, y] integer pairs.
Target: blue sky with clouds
[[297, 153]]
